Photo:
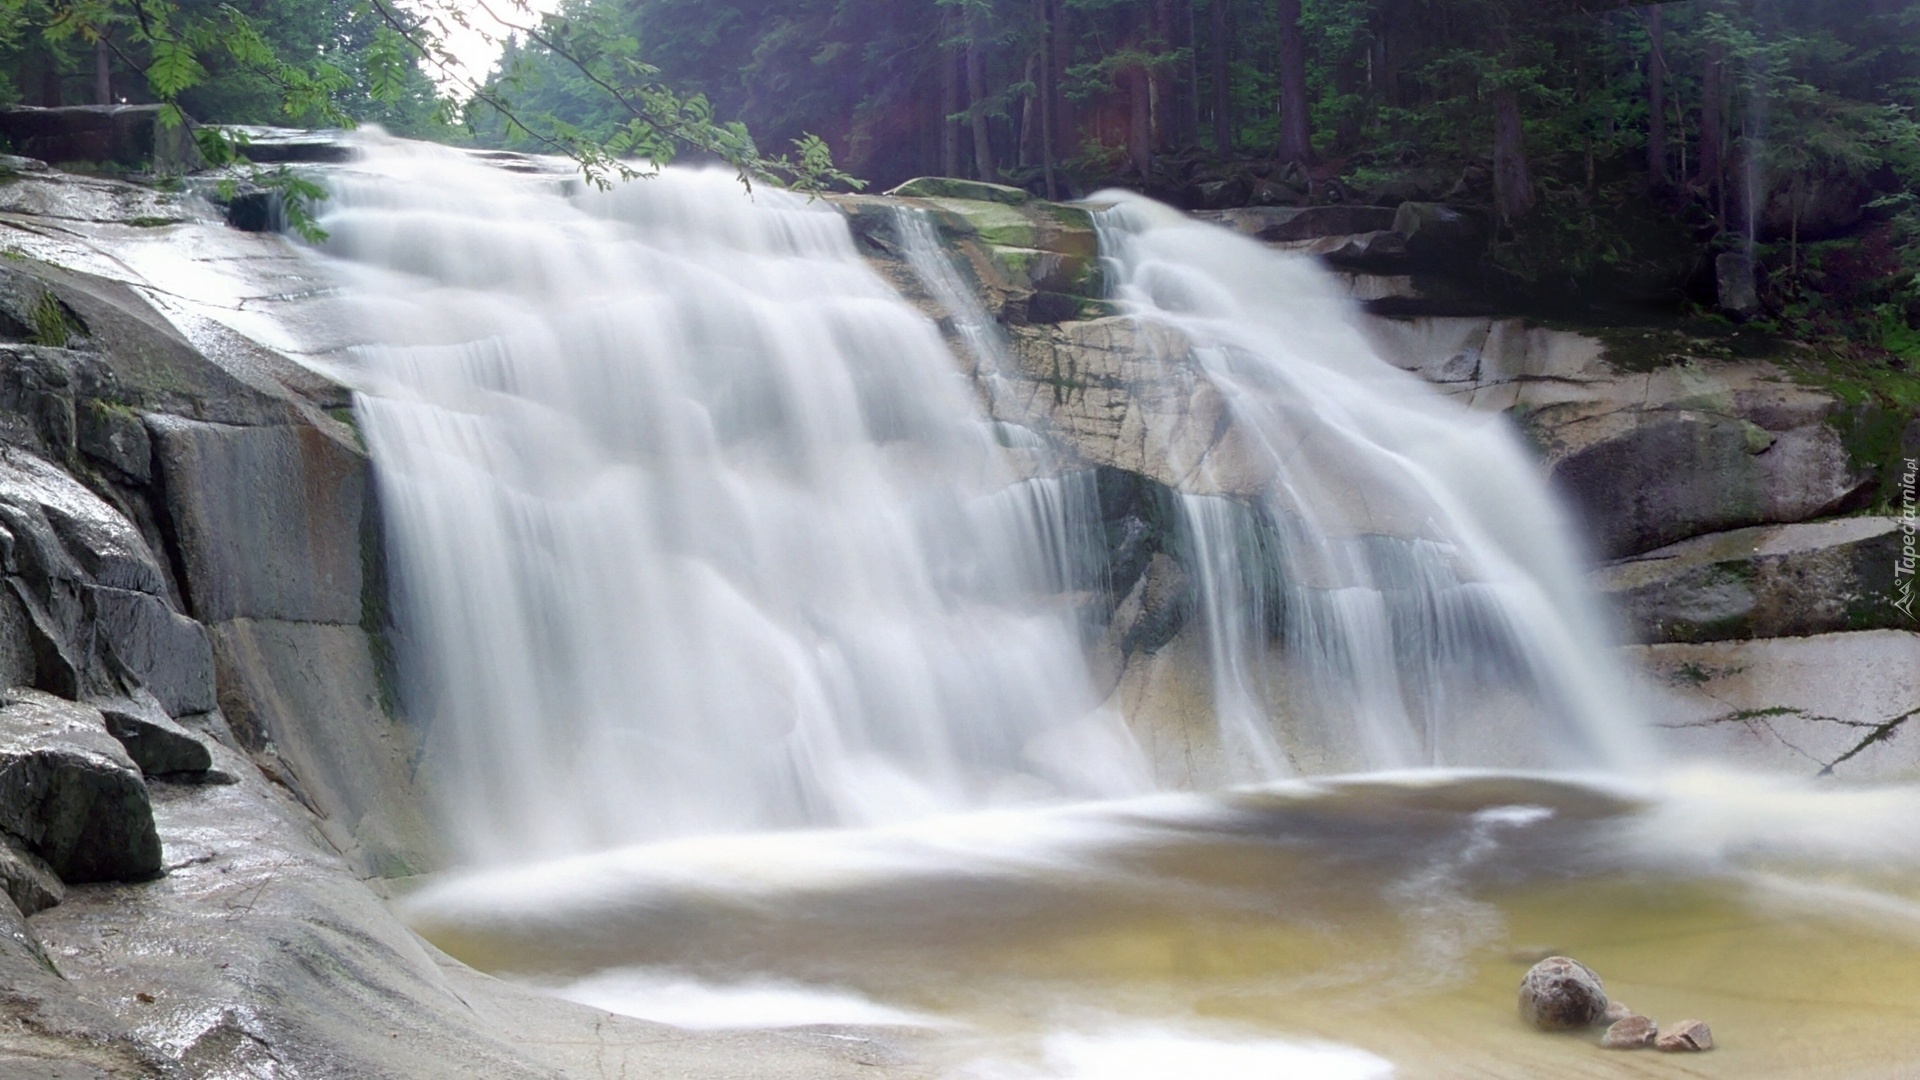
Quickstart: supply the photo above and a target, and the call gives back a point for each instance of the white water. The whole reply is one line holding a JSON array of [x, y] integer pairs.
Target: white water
[[701, 529], [1421, 577], [698, 526]]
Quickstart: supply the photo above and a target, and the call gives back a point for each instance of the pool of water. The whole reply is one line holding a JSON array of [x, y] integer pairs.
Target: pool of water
[[1365, 927]]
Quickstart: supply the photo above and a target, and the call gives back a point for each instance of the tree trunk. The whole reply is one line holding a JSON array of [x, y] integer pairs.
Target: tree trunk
[[1049, 91], [1222, 74], [1513, 191], [1140, 115], [1656, 99], [102, 73], [977, 101], [1713, 129], [1030, 137], [1296, 132], [1066, 129], [949, 103], [50, 83]]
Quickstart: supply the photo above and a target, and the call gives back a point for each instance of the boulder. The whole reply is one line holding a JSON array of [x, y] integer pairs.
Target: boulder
[[71, 795], [152, 739], [1560, 994], [1771, 581], [93, 596], [131, 136], [1685, 1036], [1629, 1033], [1652, 478]]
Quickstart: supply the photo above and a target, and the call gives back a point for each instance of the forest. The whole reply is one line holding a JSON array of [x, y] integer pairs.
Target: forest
[[1610, 148]]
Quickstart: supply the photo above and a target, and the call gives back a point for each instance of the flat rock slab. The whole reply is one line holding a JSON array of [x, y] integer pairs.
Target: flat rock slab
[[70, 793]]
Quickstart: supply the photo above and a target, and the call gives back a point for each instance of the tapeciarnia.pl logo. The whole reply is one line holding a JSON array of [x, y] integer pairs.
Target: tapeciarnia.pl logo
[[1903, 570]]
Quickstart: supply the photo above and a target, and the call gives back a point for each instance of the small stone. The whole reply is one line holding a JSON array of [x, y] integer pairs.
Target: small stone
[[1685, 1036], [1630, 1033], [1618, 1011], [1560, 994]]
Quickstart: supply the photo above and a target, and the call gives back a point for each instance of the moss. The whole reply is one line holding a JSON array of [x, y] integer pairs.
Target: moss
[[993, 223], [53, 325], [155, 222], [346, 416]]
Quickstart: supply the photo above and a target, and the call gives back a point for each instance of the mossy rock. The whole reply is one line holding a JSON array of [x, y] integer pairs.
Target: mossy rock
[[994, 224], [946, 187]]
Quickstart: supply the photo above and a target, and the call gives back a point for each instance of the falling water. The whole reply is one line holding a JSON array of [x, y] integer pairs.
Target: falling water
[[1418, 579], [699, 526]]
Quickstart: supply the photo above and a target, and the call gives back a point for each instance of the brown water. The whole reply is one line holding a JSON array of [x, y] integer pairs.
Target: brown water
[[1215, 936]]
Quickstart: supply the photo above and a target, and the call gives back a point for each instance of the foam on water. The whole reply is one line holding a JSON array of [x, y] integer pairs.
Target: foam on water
[[666, 998]]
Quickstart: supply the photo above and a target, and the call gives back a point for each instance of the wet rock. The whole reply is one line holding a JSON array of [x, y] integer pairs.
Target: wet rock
[[93, 594], [27, 879], [1561, 994], [268, 519], [1153, 612], [1618, 1011], [1684, 1036], [152, 739], [70, 793], [115, 436], [1630, 1033]]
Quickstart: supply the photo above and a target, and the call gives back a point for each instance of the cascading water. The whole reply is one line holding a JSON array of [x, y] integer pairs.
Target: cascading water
[[1420, 580], [698, 526]]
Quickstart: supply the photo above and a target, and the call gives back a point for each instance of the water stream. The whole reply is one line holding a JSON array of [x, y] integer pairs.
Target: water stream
[[756, 691]]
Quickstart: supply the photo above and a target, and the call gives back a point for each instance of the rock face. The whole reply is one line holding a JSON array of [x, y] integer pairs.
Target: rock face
[[71, 795], [1559, 994], [1835, 704]]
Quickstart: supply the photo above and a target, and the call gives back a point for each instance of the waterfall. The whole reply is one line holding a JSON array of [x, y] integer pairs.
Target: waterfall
[[700, 529], [1421, 583]]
